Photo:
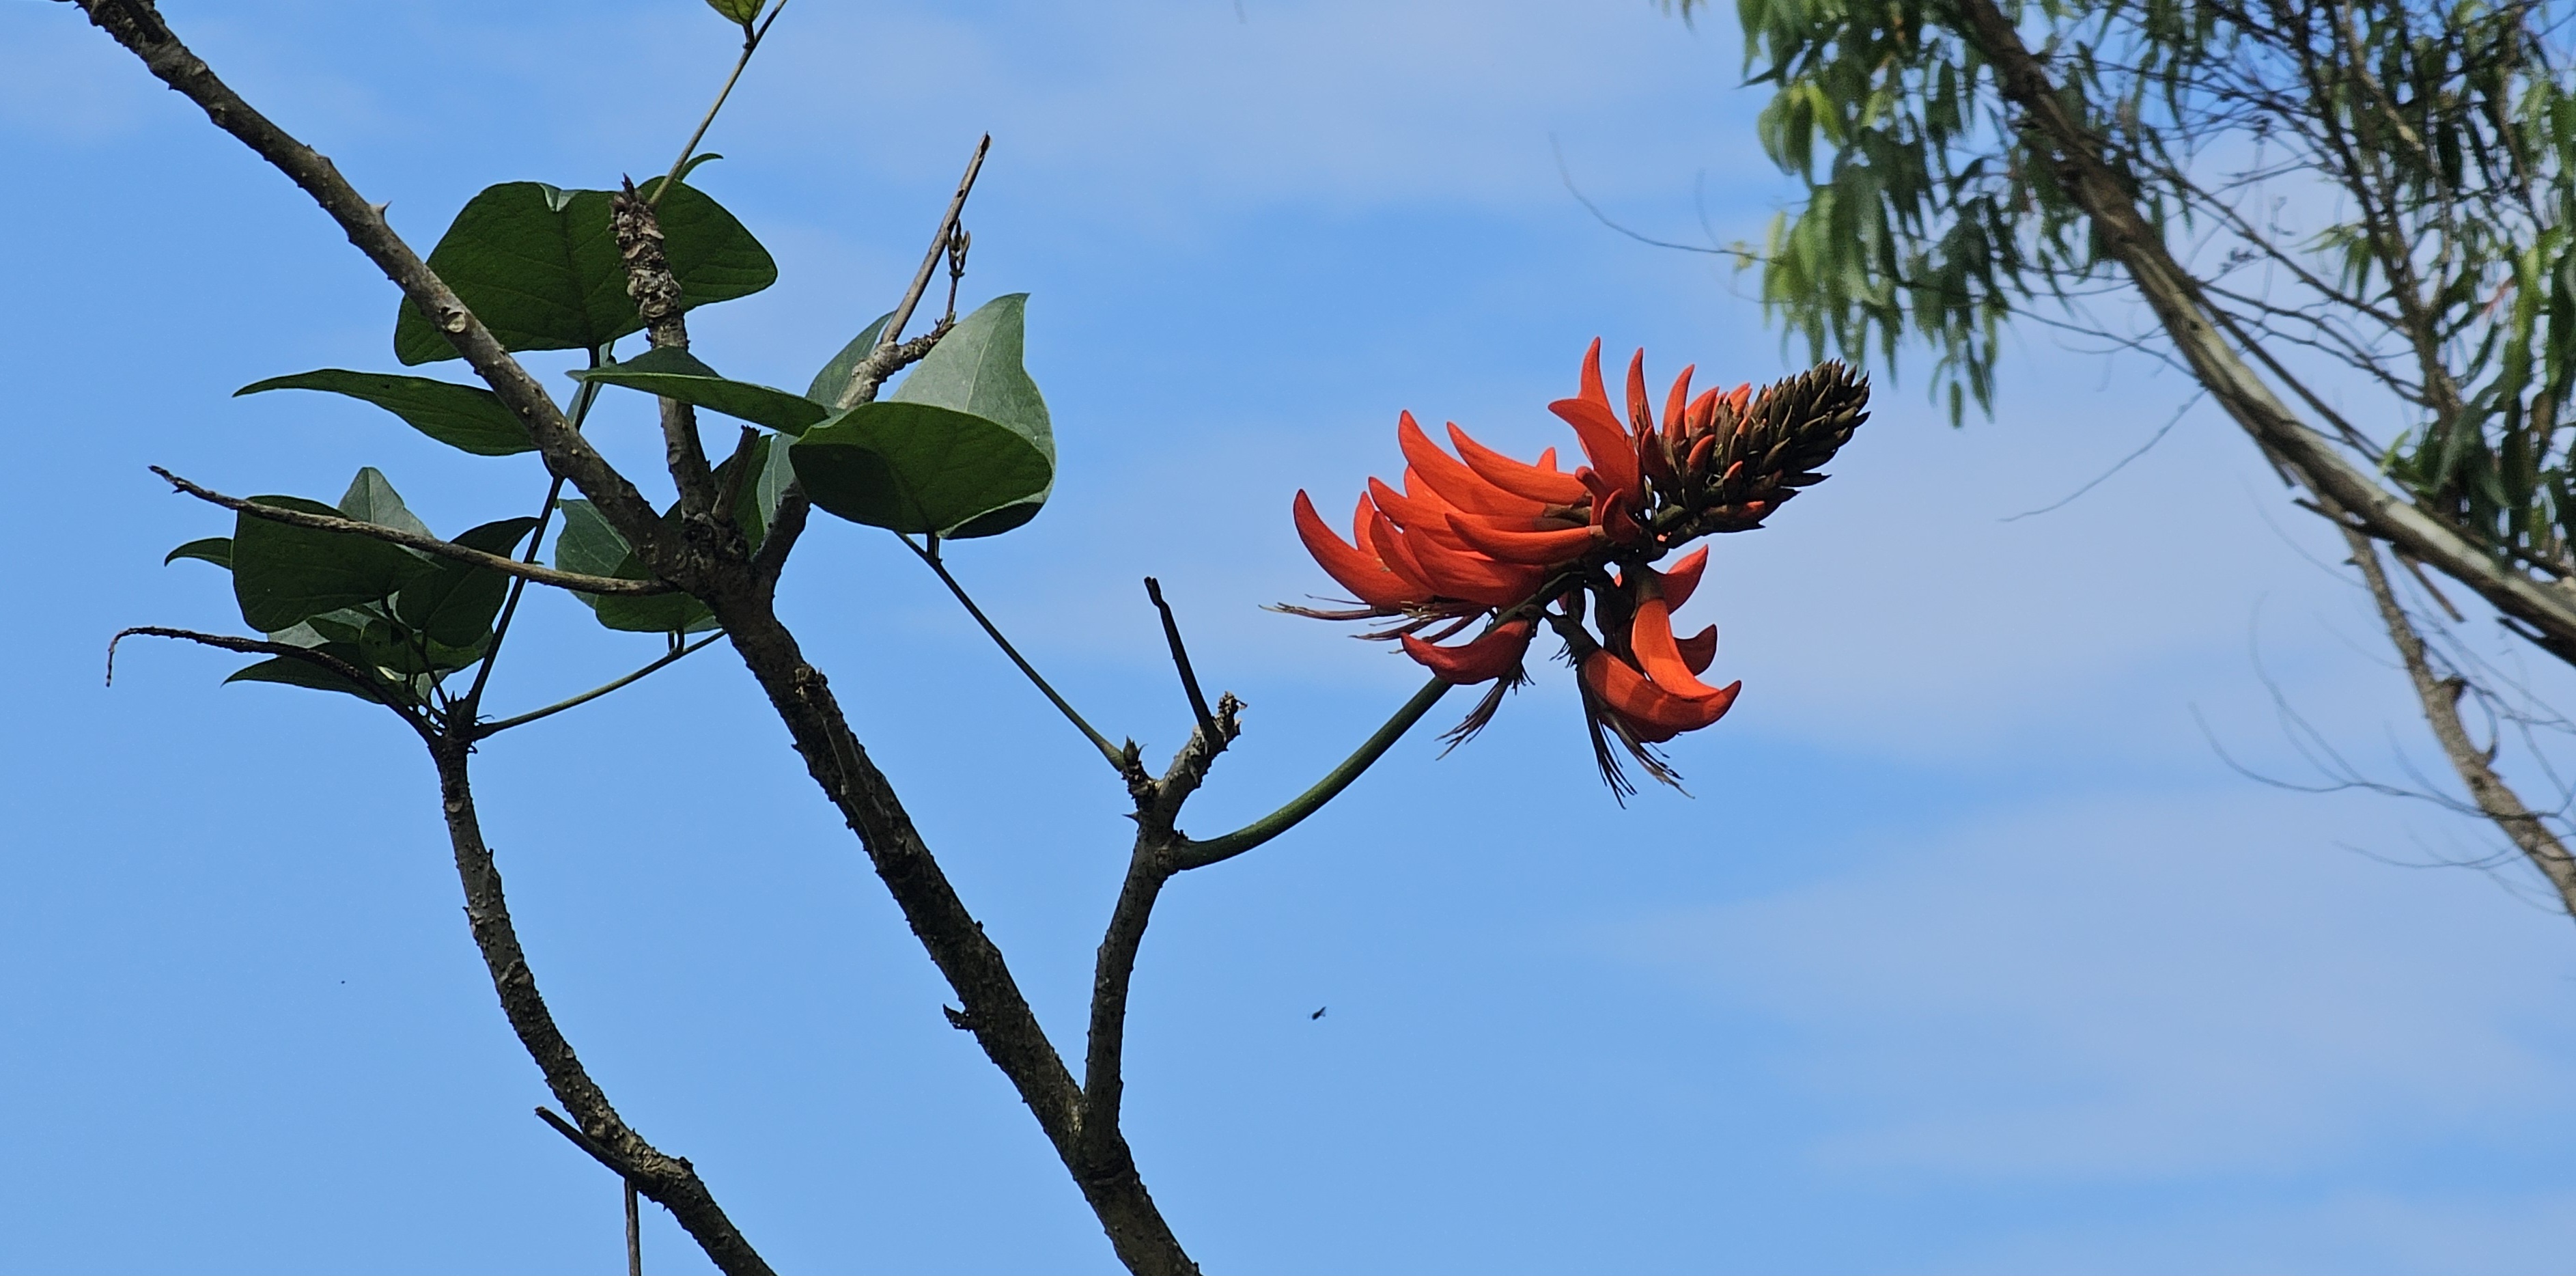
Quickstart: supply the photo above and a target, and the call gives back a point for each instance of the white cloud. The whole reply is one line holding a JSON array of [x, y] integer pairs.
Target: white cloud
[[2142, 987]]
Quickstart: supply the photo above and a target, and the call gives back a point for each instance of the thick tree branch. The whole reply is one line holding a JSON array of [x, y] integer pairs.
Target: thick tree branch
[[137, 25], [2173, 295], [671, 1181], [2440, 698], [656, 291], [575, 581]]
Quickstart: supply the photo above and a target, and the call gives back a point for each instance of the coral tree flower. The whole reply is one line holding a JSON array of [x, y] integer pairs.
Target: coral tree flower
[[1478, 537]]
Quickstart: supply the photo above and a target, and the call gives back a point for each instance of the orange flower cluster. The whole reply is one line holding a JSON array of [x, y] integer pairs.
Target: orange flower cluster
[[1480, 535]]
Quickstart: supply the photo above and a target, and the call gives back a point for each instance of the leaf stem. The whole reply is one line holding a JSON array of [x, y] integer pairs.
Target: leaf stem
[[495, 728], [473, 702], [750, 44], [1117, 760], [1197, 854]]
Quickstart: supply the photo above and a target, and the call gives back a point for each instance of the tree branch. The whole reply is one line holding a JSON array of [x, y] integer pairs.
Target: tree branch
[[671, 1181], [881, 362], [357, 678], [138, 26], [575, 581], [2173, 295], [2440, 698]]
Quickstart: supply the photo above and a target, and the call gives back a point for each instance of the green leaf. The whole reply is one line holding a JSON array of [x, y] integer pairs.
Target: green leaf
[[454, 605], [284, 575], [590, 546], [676, 374], [466, 417], [539, 267], [213, 549], [297, 673], [913, 467], [371, 499], [977, 369], [829, 383], [759, 474], [741, 11]]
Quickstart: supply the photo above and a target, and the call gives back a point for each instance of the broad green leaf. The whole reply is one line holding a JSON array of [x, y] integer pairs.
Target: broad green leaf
[[213, 549], [741, 11], [297, 673], [913, 467], [284, 575], [371, 499], [590, 546], [454, 605], [676, 374], [976, 368], [539, 266], [466, 417], [828, 384]]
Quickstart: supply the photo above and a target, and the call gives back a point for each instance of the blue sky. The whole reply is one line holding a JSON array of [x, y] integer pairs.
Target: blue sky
[[1970, 952]]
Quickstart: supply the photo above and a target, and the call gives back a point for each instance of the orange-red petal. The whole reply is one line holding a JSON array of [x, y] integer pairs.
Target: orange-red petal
[[1362, 574], [1641, 420], [1397, 555], [1677, 405], [1612, 453], [1534, 548], [1699, 651], [1645, 705], [1682, 579], [1540, 482], [1455, 482], [1651, 637], [1490, 656]]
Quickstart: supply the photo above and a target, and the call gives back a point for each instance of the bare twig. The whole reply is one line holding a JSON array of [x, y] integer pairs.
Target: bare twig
[[751, 38], [487, 729], [880, 363], [576, 581], [1181, 662], [359, 680], [2440, 698]]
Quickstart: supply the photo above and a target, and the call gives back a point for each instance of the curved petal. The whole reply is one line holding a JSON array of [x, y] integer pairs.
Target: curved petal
[[1397, 555], [1490, 656], [1651, 637], [1682, 580], [1534, 548], [1455, 482], [1612, 453], [1641, 419], [1677, 404], [1699, 651], [1540, 482], [1366, 578], [1642, 703]]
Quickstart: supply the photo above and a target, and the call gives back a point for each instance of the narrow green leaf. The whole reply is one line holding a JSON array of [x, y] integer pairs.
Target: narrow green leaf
[[915, 468], [676, 374], [539, 267], [465, 417], [213, 549]]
